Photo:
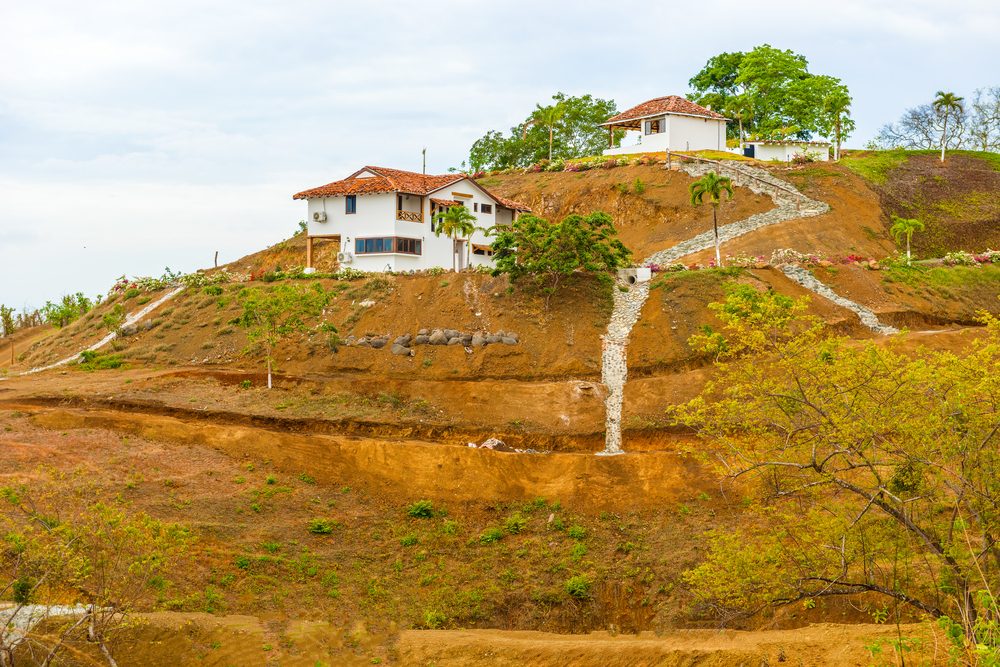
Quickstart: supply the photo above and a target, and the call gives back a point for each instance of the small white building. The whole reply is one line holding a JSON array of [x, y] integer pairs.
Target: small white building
[[667, 123], [384, 219], [786, 150]]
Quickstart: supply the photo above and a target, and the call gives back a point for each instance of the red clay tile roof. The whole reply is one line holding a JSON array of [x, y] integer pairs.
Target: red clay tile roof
[[444, 202], [661, 105], [397, 180], [788, 142], [385, 180]]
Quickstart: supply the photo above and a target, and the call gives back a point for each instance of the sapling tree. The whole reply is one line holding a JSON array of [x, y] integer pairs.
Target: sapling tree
[[868, 471], [903, 228], [546, 252], [7, 322], [271, 314]]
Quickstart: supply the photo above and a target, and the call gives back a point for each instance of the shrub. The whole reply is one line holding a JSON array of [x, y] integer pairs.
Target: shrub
[[434, 619], [91, 360], [132, 293], [409, 540], [577, 532], [246, 384], [213, 290], [515, 523], [322, 526], [490, 535], [578, 586], [449, 527], [422, 509]]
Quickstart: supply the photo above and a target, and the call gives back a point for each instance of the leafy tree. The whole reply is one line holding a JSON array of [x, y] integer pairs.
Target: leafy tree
[[548, 117], [712, 185], [59, 546], [833, 111], [67, 310], [904, 228], [7, 322], [946, 105], [574, 132], [984, 121], [271, 314], [456, 222], [868, 472], [770, 92], [547, 252]]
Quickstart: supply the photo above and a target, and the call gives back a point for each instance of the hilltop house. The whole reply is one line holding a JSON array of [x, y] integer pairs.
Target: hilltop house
[[384, 219], [786, 150], [667, 123]]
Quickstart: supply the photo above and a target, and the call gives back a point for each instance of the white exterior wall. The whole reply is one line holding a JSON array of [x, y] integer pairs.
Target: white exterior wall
[[681, 133], [376, 216], [786, 152]]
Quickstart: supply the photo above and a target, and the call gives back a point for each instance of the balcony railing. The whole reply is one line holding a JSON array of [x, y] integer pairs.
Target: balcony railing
[[410, 216]]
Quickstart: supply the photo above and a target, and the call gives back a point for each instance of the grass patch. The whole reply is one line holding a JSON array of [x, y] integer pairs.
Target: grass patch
[[875, 166]]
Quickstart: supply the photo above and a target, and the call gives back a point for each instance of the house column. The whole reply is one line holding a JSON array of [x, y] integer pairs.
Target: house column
[[611, 136]]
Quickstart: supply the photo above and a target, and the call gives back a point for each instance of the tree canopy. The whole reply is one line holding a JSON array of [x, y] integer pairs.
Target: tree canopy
[[974, 126], [547, 252], [576, 132], [771, 94], [870, 471]]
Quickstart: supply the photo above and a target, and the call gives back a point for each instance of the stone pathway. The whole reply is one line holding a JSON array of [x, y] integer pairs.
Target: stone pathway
[[16, 621], [790, 204], [131, 320], [805, 278]]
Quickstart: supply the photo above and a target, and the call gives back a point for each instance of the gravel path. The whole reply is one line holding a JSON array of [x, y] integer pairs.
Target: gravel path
[[790, 204], [805, 278]]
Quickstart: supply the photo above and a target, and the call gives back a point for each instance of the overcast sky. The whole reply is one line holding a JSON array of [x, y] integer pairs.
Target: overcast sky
[[140, 135]]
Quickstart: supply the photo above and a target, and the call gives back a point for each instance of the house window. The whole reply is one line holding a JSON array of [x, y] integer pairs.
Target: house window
[[351, 204], [653, 126], [387, 244], [486, 208], [475, 207]]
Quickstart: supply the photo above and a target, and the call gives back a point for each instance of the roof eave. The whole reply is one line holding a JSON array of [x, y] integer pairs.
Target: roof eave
[[664, 113]]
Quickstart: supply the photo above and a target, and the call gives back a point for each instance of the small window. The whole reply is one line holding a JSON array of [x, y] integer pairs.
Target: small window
[[351, 204], [359, 246], [486, 208], [475, 208]]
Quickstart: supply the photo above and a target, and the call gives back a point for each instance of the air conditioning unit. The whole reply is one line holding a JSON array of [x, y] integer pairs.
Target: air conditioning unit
[[345, 257], [319, 216]]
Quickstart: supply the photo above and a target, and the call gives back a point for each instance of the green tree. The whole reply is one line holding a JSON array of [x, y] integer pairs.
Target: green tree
[[903, 228], [67, 310], [712, 185], [947, 105], [867, 471], [769, 91], [546, 252], [548, 117], [456, 222], [577, 133], [7, 322], [832, 108], [61, 545], [271, 314]]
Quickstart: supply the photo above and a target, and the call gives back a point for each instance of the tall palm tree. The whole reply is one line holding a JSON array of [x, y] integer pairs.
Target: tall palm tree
[[947, 104], [904, 227], [713, 185], [548, 117], [456, 222]]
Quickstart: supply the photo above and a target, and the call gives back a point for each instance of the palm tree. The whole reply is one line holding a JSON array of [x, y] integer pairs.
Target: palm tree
[[713, 185], [904, 227], [456, 222], [547, 117], [946, 104]]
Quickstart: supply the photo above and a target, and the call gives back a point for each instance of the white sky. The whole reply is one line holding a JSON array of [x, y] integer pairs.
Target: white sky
[[140, 135]]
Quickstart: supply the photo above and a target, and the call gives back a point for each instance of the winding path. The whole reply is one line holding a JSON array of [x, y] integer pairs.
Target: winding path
[[805, 278], [130, 320], [790, 204]]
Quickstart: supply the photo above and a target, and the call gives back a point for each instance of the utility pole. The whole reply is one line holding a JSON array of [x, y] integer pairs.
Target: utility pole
[[424, 154]]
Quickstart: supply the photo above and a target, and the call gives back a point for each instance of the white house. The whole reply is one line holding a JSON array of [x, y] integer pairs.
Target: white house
[[384, 219], [667, 123], [786, 150]]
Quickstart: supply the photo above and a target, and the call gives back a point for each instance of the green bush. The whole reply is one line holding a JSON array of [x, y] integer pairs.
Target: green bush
[[434, 619], [422, 509], [490, 535], [577, 532], [213, 290], [409, 540], [515, 523], [578, 586], [91, 360], [132, 293], [322, 526]]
